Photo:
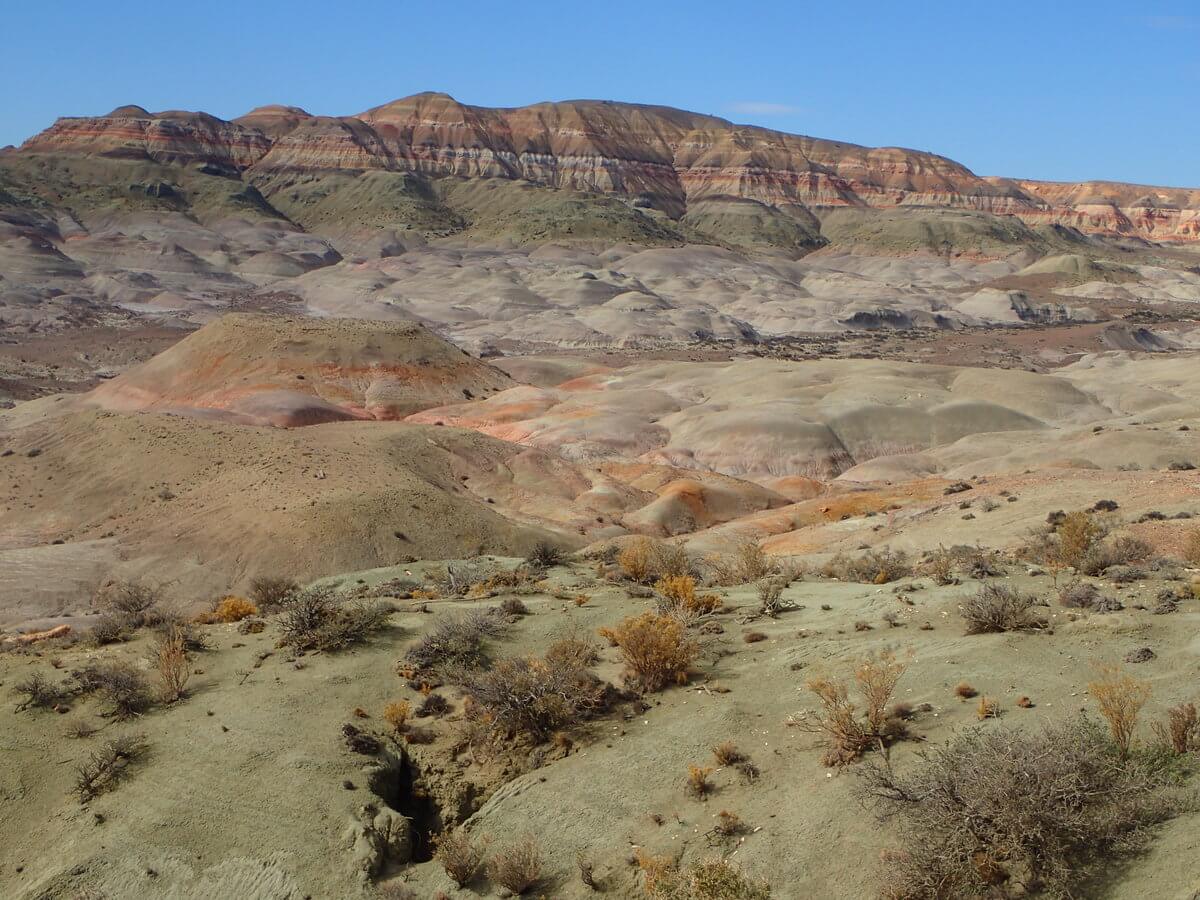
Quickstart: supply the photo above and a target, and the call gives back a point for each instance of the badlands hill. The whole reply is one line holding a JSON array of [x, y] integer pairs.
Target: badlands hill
[[582, 224]]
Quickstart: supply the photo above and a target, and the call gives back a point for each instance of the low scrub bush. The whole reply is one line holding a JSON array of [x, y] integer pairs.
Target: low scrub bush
[[317, 619], [1181, 730], [533, 697], [174, 667], [270, 593], [655, 649], [455, 645], [873, 567], [107, 765], [848, 733], [39, 692], [996, 812], [677, 593], [1120, 698], [461, 856], [544, 555], [998, 608], [119, 685], [710, 879], [516, 866], [227, 610], [636, 559], [1078, 533]]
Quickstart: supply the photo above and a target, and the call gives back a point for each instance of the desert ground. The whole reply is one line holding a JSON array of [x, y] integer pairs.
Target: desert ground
[[383, 520]]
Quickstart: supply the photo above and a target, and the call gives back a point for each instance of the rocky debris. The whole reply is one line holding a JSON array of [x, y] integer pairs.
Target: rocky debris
[[1141, 655]]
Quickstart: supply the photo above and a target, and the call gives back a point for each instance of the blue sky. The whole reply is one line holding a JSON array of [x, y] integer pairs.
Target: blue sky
[[1059, 90]]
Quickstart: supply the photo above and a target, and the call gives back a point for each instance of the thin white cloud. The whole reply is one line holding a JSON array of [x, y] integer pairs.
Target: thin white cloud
[[1172, 23], [762, 108]]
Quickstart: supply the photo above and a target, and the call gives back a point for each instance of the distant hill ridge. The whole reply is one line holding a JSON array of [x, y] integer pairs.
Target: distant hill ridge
[[699, 171]]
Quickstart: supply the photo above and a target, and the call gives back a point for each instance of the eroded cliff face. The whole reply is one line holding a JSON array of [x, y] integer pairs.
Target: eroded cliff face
[[656, 157]]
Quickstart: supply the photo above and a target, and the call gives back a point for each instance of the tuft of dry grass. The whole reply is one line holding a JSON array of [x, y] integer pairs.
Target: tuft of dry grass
[[459, 855], [1120, 697], [517, 866], [987, 708], [697, 782], [174, 667], [1181, 730], [727, 753]]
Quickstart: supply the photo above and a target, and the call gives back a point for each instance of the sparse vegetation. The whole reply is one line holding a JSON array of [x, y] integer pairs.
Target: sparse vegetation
[[229, 609], [873, 567], [454, 646], [119, 685], [535, 697], [174, 667], [461, 856], [710, 879], [516, 866], [544, 555], [996, 608], [396, 714], [655, 649], [38, 692], [995, 809], [107, 765], [1181, 730], [848, 735], [636, 558], [1077, 533], [316, 619], [1120, 698], [271, 593], [677, 593], [697, 781]]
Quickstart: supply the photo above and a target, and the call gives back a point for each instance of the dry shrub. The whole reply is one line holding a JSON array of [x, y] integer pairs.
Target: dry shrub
[[316, 619], [105, 767], [532, 697], [514, 606], [745, 562], [573, 650], [655, 649], [516, 866], [710, 879], [1181, 730], [965, 691], [997, 608], [1077, 533], [1042, 812], [847, 734], [770, 596], [940, 568], [39, 692], [122, 687], [873, 567], [727, 753], [270, 593], [130, 598], [677, 593], [174, 667], [636, 559], [396, 714], [454, 646], [460, 856], [987, 708], [1120, 697], [111, 628], [697, 781], [669, 559], [229, 609], [544, 555]]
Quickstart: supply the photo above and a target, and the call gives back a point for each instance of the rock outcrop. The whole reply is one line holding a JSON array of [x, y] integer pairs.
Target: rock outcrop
[[654, 157]]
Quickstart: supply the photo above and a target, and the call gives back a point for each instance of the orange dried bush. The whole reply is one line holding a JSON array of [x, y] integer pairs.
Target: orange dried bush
[[655, 649], [174, 669], [229, 609], [1181, 731], [1120, 697], [636, 558], [698, 784], [396, 714]]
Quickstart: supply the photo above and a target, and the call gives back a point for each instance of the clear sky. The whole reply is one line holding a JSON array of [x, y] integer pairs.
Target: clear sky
[[1058, 89]]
